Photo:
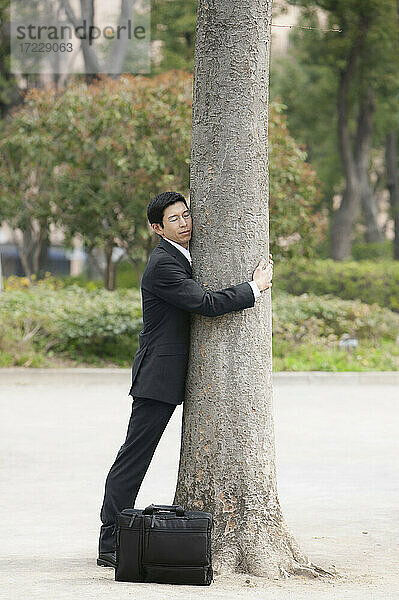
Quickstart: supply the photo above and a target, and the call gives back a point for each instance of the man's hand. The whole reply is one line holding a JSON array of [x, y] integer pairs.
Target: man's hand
[[263, 274]]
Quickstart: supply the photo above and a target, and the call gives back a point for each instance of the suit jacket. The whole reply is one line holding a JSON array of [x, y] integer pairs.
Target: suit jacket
[[169, 295]]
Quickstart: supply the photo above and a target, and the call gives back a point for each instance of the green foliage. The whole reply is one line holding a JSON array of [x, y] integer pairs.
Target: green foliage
[[51, 282], [308, 93], [173, 24], [120, 142], [377, 250], [80, 281], [90, 158], [127, 276], [297, 224], [46, 327], [307, 77], [26, 183], [318, 357], [309, 317], [69, 320], [369, 281], [9, 92], [307, 330]]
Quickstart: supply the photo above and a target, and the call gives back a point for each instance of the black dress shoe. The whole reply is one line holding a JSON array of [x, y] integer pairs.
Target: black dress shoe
[[107, 559]]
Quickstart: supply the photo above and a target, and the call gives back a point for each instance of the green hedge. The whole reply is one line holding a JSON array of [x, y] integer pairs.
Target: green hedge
[[81, 322], [371, 251], [309, 318], [369, 281], [40, 326], [307, 330]]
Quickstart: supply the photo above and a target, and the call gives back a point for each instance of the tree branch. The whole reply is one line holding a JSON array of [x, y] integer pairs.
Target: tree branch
[[119, 47], [92, 63], [69, 12]]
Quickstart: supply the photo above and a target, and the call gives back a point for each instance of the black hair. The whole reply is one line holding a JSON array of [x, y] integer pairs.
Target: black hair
[[157, 205]]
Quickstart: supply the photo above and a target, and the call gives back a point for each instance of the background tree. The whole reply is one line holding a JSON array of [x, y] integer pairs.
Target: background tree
[[96, 155], [115, 59], [392, 172], [227, 463], [173, 24], [352, 83], [391, 155], [26, 184], [9, 91], [90, 158], [298, 221], [119, 143]]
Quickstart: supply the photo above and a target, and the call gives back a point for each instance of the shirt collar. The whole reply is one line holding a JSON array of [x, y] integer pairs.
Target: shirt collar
[[183, 250]]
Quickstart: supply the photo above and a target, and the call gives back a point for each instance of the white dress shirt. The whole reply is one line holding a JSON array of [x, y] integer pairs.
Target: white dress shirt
[[186, 253]]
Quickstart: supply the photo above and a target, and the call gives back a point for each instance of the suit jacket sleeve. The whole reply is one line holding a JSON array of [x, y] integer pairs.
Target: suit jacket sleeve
[[170, 282]]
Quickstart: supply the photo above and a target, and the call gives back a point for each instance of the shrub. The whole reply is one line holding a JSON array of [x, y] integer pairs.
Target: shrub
[[309, 318], [51, 282], [97, 327], [377, 250], [368, 281], [69, 319], [307, 330]]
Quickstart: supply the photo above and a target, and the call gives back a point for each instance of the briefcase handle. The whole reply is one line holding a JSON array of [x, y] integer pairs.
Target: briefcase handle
[[149, 510]]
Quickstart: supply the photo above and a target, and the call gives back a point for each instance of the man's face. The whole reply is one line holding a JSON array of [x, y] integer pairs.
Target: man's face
[[177, 224]]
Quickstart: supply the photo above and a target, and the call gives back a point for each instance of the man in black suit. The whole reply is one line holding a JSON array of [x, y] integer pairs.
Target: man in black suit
[[169, 295]]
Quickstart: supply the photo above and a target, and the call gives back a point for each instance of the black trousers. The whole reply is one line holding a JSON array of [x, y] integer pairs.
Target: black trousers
[[146, 426]]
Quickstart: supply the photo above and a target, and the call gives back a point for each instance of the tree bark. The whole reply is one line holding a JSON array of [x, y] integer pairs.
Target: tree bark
[[30, 242], [23, 251], [227, 462], [108, 266], [37, 253], [119, 47], [355, 157], [393, 185], [343, 220], [43, 255], [362, 150]]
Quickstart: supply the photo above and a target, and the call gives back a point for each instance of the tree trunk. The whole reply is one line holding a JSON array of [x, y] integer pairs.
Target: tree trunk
[[38, 251], [43, 255], [108, 266], [29, 242], [393, 185], [119, 47], [358, 192], [227, 463], [112, 278], [20, 242], [344, 218], [362, 150], [95, 269], [373, 231]]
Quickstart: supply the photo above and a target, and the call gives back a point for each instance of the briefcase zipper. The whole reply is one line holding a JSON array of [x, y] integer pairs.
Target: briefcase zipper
[[147, 564], [183, 531], [132, 520]]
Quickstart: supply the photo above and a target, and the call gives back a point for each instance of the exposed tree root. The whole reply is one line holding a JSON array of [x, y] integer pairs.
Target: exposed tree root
[[272, 566], [312, 571]]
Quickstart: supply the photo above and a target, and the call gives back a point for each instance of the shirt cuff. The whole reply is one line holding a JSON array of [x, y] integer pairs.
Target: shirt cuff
[[255, 289]]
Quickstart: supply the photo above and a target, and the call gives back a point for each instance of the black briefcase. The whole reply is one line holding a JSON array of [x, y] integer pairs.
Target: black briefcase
[[164, 544]]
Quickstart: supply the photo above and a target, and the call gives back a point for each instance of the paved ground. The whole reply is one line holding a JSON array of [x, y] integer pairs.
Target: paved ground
[[337, 445]]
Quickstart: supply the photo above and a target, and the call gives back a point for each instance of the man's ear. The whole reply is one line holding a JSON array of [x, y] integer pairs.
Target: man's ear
[[157, 228]]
